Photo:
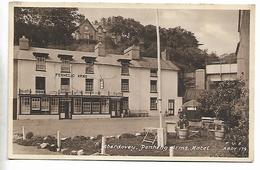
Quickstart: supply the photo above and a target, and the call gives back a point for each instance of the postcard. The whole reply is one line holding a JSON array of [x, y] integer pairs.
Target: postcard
[[156, 82]]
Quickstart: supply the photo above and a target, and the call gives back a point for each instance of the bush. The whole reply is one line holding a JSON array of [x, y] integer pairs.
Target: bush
[[29, 135], [127, 135]]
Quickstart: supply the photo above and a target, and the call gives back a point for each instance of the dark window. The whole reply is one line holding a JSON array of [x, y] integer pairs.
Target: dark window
[[40, 64], [125, 85], [125, 69], [40, 85], [65, 84], [153, 86], [153, 103], [125, 103], [153, 72], [89, 84]]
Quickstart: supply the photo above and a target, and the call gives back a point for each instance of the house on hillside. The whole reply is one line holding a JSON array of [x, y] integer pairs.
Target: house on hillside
[[87, 31], [62, 84]]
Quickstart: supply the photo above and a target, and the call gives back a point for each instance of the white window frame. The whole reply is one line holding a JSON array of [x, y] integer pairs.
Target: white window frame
[[77, 104], [153, 106], [40, 64], [45, 106], [86, 107], [95, 107], [25, 105], [54, 105], [36, 104], [87, 86]]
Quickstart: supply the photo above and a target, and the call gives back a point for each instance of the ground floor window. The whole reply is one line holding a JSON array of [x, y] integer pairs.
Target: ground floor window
[[54, 105], [105, 106], [25, 105], [96, 107], [36, 103], [77, 105], [153, 103], [45, 104], [171, 106], [86, 107]]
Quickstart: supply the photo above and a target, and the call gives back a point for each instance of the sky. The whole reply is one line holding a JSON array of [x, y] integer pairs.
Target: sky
[[215, 29]]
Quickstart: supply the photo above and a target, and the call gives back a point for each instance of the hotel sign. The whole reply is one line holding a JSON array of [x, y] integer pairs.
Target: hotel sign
[[69, 75]]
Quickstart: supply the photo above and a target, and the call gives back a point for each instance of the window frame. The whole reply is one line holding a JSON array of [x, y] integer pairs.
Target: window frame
[[27, 105], [54, 104], [77, 106], [40, 64], [153, 87], [45, 104], [153, 73], [87, 89], [36, 104], [153, 103], [124, 85], [65, 66], [125, 69]]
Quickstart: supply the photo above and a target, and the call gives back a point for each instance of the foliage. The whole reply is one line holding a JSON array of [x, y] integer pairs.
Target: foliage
[[29, 135], [183, 122], [221, 101], [230, 102], [45, 26]]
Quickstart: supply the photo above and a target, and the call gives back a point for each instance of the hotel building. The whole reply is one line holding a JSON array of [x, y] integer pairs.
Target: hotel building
[[61, 84]]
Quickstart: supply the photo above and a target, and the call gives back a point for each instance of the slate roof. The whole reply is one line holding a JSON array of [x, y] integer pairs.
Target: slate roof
[[109, 59]]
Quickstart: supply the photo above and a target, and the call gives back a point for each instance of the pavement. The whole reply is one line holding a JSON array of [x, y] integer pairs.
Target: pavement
[[87, 127]]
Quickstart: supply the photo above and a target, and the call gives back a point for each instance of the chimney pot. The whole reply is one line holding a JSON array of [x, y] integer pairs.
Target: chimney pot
[[24, 43]]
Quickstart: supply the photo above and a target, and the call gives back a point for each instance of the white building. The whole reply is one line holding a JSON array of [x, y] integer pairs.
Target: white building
[[61, 84], [216, 73]]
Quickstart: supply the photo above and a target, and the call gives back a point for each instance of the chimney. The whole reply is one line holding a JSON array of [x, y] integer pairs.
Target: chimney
[[165, 56], [23, 43], [133, 52], [100, 50], [200, 78]]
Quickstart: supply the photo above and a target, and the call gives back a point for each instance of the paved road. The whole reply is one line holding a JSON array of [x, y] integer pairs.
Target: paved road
[[87, 127]]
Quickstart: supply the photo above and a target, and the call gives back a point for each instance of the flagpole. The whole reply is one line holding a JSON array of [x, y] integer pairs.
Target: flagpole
[[159, 69], [161, 138]]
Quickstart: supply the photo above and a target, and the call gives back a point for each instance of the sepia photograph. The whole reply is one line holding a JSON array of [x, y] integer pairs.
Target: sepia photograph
[[131, 82]]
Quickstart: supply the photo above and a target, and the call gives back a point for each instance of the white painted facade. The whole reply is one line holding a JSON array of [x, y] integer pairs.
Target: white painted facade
[[109, 71]]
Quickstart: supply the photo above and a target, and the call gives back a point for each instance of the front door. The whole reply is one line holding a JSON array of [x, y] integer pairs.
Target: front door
[[115, 108], [65, 109]]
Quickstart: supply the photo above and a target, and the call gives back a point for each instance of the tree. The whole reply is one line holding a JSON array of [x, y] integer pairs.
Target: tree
[[45, 25]]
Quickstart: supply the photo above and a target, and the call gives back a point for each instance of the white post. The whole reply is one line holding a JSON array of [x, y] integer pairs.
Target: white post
[[171, 151], [160, 135], [23, 130], [58, 140], [103, 146]]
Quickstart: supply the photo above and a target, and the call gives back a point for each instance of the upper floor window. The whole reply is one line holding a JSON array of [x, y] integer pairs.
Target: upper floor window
[[89, 68], [124, 66], [153, 103], [89, 85], [153, 72], [39, 85], [125, 85], [153, 86], [65, 84], [125, 69], [40, 64], [89, 64], [65, 62], [65, 66], [40, 61]]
